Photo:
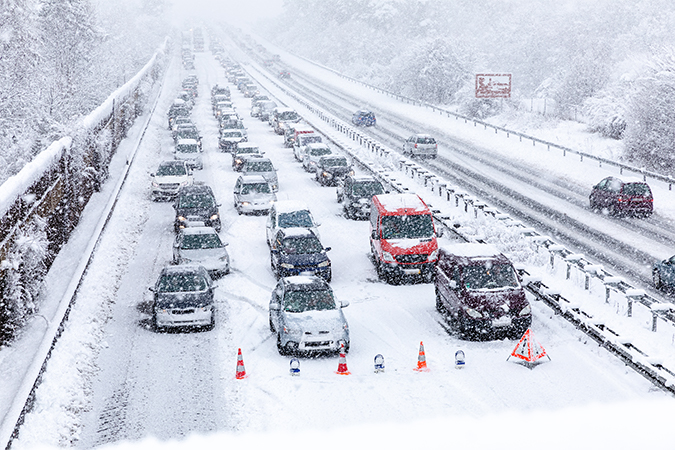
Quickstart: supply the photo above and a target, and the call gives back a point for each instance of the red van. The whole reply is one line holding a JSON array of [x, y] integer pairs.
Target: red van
[[402, 237]]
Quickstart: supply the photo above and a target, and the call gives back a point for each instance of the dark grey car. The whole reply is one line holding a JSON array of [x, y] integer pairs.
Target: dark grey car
[[183, 297]]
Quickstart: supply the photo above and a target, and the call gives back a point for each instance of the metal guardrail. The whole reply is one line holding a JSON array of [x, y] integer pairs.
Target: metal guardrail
[[621, 346]]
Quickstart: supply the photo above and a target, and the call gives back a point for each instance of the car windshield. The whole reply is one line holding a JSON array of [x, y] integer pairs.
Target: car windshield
[[407, 227], [187, 148], [367, 189], [232, 134], [295, 219], [301, 245], [637, 189], [288, 115], [490, 276], [334, 162], [309, 300], [255, 188], [167, 170], [259, 166], [247, 150], [320, 151], [195, 201], [181, 282], [426, 140], [198, 241]]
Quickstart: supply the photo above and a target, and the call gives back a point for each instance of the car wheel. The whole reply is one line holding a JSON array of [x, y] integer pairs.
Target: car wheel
[[211, 325], [282, 350], [439, 305], [272, 325], [656, 276], [329, 277]]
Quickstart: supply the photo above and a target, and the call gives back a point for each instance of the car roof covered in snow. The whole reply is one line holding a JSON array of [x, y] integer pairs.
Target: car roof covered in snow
[[289, 206], [473, 252], [252, 179], [198, 230], [401, 203], [187, 142]]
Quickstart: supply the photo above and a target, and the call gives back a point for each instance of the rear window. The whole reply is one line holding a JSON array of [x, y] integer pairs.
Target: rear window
[[637, 189], [255, 188], [259, 166], [367, 189], [426, 140], [201, 241]]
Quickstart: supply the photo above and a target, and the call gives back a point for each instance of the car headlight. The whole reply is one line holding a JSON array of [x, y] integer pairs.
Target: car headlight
[[245, 203], [286, 265], [185, 260], [181, 219], [214, 217], [526, 311], [327, 174], [351, 173], [184, 183], [224, 258], [386, 256], [433, 256], [473, 313], [324, 264], [155, 184]]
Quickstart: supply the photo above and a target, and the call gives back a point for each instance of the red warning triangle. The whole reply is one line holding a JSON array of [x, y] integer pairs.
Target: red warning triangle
[[528, 349]]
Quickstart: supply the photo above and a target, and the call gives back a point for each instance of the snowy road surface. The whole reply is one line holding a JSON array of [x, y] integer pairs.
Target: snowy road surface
[[132, 382]]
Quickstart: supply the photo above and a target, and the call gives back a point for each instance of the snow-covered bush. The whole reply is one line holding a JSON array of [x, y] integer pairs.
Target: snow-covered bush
[[605, 113], [24, 268]]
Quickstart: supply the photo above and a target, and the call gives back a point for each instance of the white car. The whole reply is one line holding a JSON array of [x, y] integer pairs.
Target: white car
[[311, 155], [202, 245], [169, 177], [188, 150], [253, 194], [289, 214], [420, 145]]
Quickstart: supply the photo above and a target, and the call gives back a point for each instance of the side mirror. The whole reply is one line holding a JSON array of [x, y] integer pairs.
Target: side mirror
[[151, 289], [373, 235], [152, 175], [327, 249], [344, 303], [275, 307], [452, 284]]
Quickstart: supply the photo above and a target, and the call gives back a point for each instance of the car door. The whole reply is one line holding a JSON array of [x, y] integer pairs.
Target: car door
[[237, 191], [668, 272]]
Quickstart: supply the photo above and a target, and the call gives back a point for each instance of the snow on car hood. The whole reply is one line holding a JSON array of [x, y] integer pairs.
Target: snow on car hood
[[203, 254], [332, 320], [408, 244]]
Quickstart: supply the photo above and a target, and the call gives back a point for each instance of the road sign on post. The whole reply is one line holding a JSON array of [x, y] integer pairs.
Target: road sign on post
[[493, 85]]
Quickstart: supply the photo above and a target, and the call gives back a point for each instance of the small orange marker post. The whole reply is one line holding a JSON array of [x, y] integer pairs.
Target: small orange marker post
[[342, 364], [421, 360], [241, 370]]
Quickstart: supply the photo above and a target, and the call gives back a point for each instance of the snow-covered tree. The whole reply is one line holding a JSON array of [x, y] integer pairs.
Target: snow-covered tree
[[650, 118], [69, 39], [432, 71]]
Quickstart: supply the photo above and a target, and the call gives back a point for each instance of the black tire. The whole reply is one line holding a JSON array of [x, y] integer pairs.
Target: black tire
[[656, 276], [439, 305], [272, 326], [282, 350]]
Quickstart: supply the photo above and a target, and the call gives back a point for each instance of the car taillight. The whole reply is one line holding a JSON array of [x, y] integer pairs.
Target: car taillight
[[620, 199], [415, 145]]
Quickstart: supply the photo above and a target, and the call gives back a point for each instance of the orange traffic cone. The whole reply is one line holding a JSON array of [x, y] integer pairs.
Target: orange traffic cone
[[241, 371], [342, 365], [421, 360]]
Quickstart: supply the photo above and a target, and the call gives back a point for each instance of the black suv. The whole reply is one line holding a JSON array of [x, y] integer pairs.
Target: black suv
[[356, 193], [196, 206], [332, 168]]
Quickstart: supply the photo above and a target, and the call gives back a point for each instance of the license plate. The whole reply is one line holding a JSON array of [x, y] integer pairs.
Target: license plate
[[501, 322], [411, 271]]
